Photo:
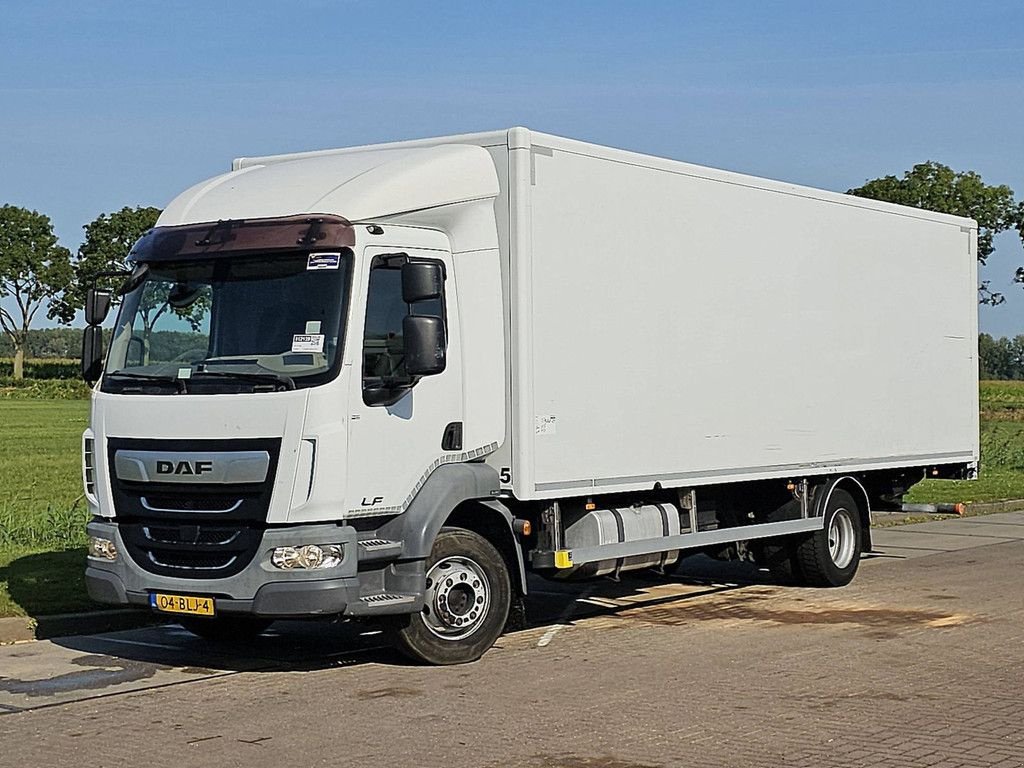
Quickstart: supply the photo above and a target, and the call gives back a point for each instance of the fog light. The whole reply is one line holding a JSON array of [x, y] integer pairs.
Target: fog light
[[307, 557], [102, 549]]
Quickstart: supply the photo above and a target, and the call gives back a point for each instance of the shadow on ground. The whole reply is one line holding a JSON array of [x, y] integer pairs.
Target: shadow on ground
[[48, 582], [323, 644], [46, 585]]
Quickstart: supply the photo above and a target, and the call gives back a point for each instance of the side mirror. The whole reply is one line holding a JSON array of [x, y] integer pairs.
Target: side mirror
[[92, 354], [381, 395], [421, 281], [182, 295], [424, 345], [97, 305]]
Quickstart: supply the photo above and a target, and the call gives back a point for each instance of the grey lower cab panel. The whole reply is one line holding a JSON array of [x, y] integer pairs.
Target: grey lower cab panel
[[682, 541], [277, 599]]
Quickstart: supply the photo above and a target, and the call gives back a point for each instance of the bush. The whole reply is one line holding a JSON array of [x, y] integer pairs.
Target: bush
[[43, 368], [43, 389]]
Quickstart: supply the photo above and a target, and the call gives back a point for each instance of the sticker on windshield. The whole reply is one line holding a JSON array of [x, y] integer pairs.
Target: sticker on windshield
[[308, 342], [323, 261]]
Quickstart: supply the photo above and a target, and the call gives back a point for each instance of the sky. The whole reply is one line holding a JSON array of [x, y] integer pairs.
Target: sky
[[107, 104]]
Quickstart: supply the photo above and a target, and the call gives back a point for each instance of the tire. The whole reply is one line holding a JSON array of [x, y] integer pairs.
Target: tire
[[226, 629], [829, 557], [466, 601]]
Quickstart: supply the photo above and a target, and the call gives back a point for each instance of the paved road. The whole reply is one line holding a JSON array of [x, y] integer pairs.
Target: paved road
[[918, 663]]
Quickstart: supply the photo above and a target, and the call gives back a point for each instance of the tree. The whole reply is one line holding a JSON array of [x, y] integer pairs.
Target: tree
[[33, 270], [108, 241], [937, 187]]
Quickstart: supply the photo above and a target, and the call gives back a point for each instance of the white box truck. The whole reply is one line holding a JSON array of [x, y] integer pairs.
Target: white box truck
[[386, 382]]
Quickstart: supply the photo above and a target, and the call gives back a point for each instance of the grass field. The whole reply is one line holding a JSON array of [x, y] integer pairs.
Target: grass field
[[42, 514], [1002, 452]]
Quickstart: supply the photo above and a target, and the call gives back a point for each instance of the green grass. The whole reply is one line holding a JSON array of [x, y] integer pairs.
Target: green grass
[[1002, 452], [41, 501], [42, 513], [42, 581]]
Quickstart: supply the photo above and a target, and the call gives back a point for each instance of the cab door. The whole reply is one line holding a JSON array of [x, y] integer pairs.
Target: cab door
[[402, 425]]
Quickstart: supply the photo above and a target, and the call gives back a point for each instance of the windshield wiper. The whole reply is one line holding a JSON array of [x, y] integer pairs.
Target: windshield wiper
[[179, 383], [268, 378]]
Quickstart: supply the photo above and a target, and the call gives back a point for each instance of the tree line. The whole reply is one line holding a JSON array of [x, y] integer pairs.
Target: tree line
[[1001, 358], [66, 344], [38, 274]]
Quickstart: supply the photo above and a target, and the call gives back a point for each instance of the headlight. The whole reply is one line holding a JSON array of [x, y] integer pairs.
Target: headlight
[[102, 549], [308, 557]]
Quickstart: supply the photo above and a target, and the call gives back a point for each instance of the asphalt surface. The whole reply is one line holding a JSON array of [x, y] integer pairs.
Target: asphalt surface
[[919, 662]]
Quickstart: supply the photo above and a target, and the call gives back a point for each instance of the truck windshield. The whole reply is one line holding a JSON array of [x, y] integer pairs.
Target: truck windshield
[[239, 324]]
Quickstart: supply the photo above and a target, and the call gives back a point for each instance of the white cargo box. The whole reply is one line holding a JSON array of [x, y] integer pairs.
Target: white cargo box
[[682, 325]]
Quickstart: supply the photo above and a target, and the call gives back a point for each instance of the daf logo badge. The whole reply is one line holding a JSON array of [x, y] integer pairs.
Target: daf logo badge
[[164, 467]]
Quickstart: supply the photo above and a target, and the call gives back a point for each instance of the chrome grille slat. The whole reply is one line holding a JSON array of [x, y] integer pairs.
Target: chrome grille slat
[[192, 566], [148, 532], [152, 508]]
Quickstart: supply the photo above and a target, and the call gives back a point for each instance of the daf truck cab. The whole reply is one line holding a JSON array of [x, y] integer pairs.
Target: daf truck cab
[[386, 382]]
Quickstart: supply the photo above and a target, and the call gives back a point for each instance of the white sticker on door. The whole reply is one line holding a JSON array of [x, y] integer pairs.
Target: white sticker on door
[[545, 425], [308, 342]]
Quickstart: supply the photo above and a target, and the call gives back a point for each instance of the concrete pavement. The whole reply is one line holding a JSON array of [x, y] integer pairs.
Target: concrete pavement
[[917, 663]]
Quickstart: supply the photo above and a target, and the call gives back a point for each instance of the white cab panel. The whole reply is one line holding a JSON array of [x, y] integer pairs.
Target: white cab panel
[[203, 417], [393, 448]]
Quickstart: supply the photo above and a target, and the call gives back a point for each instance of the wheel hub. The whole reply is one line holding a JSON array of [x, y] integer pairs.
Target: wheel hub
[[457, 598], [841, 539]]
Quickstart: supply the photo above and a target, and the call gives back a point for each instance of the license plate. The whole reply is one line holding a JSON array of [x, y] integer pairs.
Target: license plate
[[197, 606]]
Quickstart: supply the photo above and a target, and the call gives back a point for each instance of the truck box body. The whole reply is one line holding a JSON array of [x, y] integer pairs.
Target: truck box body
[[681, 325]]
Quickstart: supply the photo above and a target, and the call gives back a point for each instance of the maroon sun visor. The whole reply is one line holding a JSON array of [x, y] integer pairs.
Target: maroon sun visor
[[233, 236]]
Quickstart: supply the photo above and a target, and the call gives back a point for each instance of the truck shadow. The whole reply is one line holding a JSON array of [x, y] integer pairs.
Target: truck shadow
[[319, 645], [46, 585]]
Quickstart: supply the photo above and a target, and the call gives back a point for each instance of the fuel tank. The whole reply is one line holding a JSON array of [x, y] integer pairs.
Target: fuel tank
[[615, 525]]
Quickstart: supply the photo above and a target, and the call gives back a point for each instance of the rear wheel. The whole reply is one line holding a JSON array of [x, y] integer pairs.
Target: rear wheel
[[466, 601], [829, 557], [226, 629]]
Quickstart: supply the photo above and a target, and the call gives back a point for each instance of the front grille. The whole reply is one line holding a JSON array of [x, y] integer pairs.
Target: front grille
[[191, 550], [193, 530]]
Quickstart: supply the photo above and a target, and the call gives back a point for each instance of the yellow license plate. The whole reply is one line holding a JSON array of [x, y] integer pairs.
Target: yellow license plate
[[197, 606]]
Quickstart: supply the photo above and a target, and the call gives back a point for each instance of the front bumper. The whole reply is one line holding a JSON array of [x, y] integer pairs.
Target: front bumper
[[260, 589]]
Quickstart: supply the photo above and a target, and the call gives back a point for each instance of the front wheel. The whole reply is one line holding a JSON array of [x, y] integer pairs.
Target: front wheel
[[829, 557], [466, 601]]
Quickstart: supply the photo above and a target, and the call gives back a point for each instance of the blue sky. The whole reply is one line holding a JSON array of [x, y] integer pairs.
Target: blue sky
[[110, 104]]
